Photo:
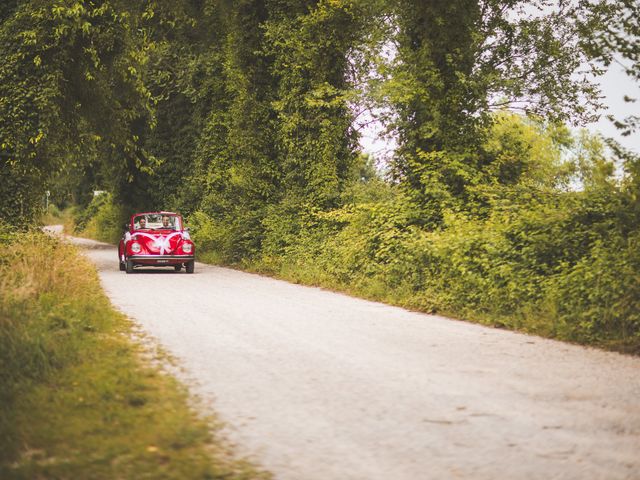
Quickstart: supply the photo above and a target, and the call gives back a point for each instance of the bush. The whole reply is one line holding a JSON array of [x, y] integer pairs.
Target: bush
[[598, 298], [208, 237], [102, 219], [523, 248]]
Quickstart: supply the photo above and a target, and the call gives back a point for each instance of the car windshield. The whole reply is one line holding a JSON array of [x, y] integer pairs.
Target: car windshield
[[157, 221]]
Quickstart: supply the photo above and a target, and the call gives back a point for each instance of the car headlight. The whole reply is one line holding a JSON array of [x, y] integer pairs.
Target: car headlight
[[135, 247], [187, 247]]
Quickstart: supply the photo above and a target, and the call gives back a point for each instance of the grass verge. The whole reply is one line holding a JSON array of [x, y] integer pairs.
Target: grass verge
[[79, 398]]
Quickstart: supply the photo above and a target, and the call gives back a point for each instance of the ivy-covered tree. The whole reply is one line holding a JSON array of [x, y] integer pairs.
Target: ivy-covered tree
[[70, 89], [310, 43], [610, 33], [281, 136], [236, 163], [455, 64]]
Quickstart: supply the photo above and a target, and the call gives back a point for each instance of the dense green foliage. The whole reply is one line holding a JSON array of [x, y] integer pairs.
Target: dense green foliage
[[71, 92], [543, 259], [244, 117], [456, 63], [102, 219]]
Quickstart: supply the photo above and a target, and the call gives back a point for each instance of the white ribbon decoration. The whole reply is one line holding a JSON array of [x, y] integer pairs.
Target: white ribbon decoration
[[160, 242]]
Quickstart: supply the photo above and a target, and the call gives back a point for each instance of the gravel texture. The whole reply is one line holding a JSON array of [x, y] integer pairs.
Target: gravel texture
[[317, 385]]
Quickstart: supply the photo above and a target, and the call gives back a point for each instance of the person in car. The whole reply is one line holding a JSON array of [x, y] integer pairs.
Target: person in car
[[166, 223], [142, 223]]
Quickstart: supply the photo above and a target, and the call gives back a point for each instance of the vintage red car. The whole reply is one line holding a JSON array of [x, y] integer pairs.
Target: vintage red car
[[156, 239]]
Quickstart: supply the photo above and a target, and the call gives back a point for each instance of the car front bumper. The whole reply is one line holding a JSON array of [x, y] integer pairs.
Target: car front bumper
[[160, 260]]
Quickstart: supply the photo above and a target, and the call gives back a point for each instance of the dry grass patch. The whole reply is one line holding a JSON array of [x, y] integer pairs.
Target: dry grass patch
[[78, 398]]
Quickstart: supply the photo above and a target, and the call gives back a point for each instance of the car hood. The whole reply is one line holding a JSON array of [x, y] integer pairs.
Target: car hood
[[158, 243]]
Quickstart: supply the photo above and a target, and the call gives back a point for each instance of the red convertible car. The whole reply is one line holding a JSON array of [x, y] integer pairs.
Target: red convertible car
[[156, 239]]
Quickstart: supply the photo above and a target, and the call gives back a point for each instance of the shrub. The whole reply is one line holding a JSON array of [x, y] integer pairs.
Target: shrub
[[598, 298], [208, 236], [102, 219]]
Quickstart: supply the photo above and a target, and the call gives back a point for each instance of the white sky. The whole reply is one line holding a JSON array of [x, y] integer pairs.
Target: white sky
[[615, 85], [372, 144]]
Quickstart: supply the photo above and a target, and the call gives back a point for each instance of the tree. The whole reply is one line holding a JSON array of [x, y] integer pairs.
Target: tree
[[70, 90], [280, 135], [456, 63], [610, 34], [310, 43]]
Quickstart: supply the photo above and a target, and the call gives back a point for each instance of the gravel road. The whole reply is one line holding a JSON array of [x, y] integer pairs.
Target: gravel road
[[318, 385]]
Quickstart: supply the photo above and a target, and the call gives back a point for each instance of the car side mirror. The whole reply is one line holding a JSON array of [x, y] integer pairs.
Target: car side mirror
[[186, 229], [126, 226]]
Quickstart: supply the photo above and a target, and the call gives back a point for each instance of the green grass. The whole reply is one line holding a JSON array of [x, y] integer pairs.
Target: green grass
[[79, 398]]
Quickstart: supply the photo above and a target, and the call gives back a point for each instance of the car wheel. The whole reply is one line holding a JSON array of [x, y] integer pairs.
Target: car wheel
[[191, 266], [129, 266], [177, 268], [123, 267]]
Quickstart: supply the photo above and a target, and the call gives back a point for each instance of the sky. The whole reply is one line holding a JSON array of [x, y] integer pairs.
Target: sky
[[615, 85]]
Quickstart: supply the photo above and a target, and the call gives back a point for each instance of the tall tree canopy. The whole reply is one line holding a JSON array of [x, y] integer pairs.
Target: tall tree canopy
[[70, 85], [245, 110], [458, 62]]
